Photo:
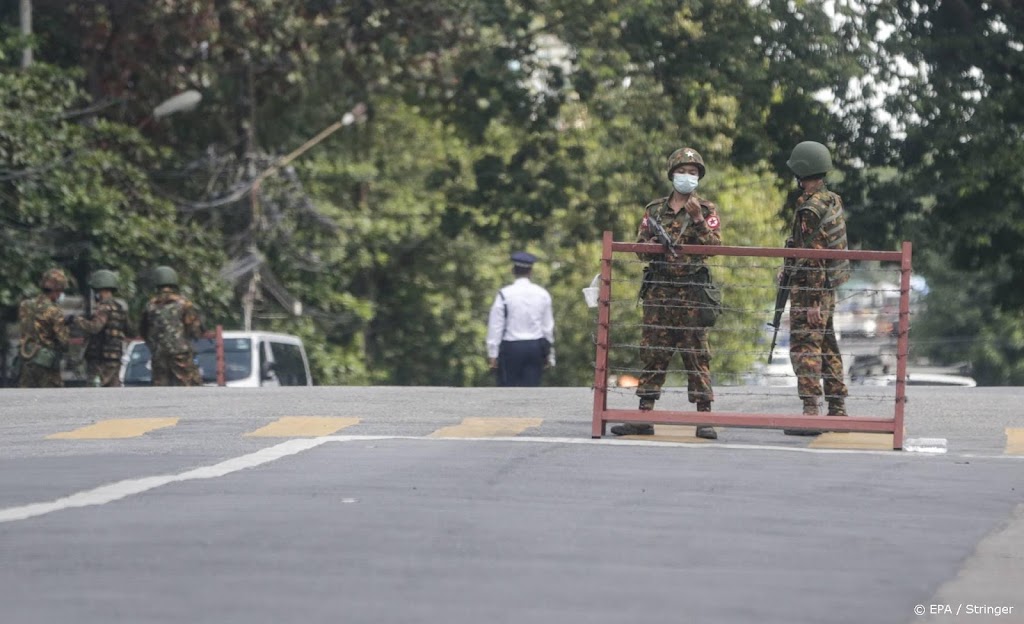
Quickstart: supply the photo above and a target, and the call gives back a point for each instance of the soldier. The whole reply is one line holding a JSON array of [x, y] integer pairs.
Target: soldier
[[521, 328], [169, 323], [673, 291], [819, 223], [44, 334], [107, 329]]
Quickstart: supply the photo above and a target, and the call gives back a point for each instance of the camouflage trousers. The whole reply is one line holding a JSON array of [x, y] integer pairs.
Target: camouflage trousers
[[33, 376], [108, 372], [814, 350], [670, 327], [177, 369]]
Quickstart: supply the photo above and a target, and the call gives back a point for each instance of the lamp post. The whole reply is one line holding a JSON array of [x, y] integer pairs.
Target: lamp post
[[357, 114], [180, 103]]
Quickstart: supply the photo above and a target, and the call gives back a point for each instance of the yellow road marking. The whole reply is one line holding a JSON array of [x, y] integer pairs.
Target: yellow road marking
[[115, 429], [1014, 441], [302, 427], [487, 427], [853, 440]]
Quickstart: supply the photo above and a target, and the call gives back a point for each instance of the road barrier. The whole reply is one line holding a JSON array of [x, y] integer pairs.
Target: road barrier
[[741, 330]]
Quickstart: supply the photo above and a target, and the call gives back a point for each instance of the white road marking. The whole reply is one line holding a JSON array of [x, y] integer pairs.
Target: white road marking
[[131, 487], [123, 489]]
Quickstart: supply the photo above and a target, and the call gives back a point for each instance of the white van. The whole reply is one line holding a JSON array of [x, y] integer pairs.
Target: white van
[[251, 360]]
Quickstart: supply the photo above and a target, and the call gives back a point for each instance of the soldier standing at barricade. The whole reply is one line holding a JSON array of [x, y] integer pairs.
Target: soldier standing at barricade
[[107, 329], [44, 334], [819, 223], [169, 323], [521, 328], [673, 289]]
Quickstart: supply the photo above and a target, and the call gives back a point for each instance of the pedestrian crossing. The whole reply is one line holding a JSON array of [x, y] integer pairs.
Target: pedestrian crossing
[[474, 427]]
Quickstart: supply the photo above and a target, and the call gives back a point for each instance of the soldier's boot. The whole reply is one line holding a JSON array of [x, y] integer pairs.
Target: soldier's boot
[[811, 408], [837, 407], [705, 431], [646, 405]]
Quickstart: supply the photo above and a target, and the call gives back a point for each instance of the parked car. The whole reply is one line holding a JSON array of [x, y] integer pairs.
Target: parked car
[[251, 360]]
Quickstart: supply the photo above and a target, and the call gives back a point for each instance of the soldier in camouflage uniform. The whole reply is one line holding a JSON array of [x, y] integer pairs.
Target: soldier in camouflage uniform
[[819, 223], [44, 334], [107, 329], [169, 323], [671, 321]]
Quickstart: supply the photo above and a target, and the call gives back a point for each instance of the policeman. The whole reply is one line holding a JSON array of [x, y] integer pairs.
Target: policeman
[[44, 334], [169, 324], [673, 291], [107, 330], [521, 328], [818, 223]]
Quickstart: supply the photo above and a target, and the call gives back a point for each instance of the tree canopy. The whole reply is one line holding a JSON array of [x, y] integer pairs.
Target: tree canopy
[[492, 125]]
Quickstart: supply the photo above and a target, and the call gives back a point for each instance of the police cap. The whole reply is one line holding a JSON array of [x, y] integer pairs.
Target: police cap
[[523, 260]]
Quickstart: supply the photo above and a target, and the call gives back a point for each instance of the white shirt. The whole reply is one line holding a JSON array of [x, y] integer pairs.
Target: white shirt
[[529, 316]]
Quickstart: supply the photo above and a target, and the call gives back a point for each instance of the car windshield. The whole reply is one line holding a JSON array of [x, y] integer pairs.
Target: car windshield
[[237, 361], [237, 358]]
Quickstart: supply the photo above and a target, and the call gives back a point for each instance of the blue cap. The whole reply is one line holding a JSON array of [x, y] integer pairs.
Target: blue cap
[[523, 259]]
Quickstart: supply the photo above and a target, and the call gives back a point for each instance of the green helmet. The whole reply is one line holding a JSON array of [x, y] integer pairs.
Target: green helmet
[[164, 276], [686, 156], [810, 158], [103, 279]]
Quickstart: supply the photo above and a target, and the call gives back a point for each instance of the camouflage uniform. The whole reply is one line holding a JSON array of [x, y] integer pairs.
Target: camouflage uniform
[[107, 331], [43, 335], [168, 323], [814, 351], [670, 304]]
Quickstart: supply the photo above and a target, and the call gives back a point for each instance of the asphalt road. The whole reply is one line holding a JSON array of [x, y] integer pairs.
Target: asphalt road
[[337, 504]]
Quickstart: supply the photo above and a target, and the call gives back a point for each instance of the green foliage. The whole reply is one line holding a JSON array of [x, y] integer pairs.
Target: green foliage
[[493, 126], [74, 193]]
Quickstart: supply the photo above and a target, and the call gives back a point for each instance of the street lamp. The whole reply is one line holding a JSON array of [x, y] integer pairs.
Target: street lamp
[[184, 101], [180, 103], [357, 114]]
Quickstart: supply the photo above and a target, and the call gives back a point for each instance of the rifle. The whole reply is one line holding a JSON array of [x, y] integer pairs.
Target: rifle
[[781, 296], [665, 240], [663, 237]]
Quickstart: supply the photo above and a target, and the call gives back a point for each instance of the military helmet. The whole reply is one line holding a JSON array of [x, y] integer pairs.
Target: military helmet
[[54, 279], [686, 156], [103, 279], [810, 158], [164, 276]]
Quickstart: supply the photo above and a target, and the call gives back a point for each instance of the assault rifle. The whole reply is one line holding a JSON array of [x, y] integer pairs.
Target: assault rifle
[[663, 237], [781, 296]]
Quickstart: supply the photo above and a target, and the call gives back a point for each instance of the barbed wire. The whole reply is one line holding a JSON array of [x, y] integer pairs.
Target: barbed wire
[[748, 287]]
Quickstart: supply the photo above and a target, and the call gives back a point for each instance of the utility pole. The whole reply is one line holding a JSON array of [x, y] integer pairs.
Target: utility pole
[[26, 31], [255, 219]]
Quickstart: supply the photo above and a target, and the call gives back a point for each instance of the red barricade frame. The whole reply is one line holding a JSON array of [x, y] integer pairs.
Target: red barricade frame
[[603, 415]]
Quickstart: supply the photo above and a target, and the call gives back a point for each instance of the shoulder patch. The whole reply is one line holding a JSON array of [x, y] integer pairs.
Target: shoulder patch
[[713, 222]]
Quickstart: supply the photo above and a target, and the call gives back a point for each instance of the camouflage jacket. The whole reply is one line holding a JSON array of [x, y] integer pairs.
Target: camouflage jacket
[[819, 223], [107, 329], [41, 324], [169, 322], [683, 231]]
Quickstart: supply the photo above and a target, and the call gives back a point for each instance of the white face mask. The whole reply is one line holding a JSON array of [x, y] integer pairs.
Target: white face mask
[[60, 298], [684, 183]]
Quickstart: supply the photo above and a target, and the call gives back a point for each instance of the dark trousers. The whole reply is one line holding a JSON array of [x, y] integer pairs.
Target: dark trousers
[[521, 362]]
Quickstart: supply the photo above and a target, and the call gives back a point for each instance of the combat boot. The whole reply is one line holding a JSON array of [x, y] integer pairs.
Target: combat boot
[[837, 407], [633, 429], [811, 408], [646, 405], [705, 431]]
